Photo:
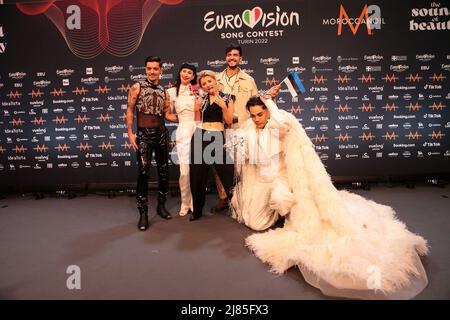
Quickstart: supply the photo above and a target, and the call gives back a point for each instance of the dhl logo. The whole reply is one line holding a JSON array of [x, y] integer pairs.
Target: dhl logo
[[36, 94], [437, 107], [14, 95], [342, 79], [413, 136], [104, 118], [319, 138], [124, 88], [40, 148], [20, 149], [103, 89], [343, 108], [390, 107], [343, 137], [436, 77], [60, 120], [57, 92], [62, 147], [2, 150], [366, 79], [271, 82], [413, 78], [367, 136], [17, 122], [318, 80], [437, 135], [126, 145], [367, 108], [106, 146], [343, 16], [84, 147], [82, 119], [390, 136], [319, 109], [80, 91], [414, 107], [389, 79], [38, 121]]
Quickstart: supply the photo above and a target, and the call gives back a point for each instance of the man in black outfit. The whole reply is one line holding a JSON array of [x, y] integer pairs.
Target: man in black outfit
[[150, 101]]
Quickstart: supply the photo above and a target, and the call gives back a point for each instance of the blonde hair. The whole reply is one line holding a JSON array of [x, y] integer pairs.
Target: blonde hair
[[205, 73]]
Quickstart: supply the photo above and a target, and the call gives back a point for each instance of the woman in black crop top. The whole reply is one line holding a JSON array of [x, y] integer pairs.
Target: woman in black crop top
[[213, 112], [217, 108]]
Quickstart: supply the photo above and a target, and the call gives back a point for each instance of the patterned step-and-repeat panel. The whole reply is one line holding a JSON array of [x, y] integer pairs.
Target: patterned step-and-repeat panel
[[376, 75]]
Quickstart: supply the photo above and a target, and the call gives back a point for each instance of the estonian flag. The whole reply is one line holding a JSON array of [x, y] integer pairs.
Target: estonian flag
[[294, 84]]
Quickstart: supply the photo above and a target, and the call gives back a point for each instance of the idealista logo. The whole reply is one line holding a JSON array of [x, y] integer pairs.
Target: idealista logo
[[251, 18], [434, 13], [370, 16]]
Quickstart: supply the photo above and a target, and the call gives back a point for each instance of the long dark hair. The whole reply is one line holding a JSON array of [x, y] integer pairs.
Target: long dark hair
[[186, 66]]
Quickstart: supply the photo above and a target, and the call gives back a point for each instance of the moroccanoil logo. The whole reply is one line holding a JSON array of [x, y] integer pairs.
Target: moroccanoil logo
[[343, 137], [366, 79], [390, 78], [106, 146], [414, 106], [437, 135], [62, 147], [413, 136], [370, 16], [296, 109], [367, 136], [390, 136], [82, 119], [126, 145], [41, 149], [319, 109], [250, 18], [366, 108], [124, 88], [390, 107], [320, 138]]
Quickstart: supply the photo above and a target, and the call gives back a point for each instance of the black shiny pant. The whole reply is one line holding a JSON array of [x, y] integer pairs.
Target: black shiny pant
[[199, 166], [151, 140]]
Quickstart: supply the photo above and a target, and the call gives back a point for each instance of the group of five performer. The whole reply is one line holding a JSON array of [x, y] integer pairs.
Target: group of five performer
[[265, 170]]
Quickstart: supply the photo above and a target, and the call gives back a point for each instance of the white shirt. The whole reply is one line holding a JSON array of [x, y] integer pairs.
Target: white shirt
[[184, 103]]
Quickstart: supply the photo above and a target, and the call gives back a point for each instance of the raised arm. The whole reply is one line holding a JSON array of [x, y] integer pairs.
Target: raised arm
[[227, 110], [277, 118]]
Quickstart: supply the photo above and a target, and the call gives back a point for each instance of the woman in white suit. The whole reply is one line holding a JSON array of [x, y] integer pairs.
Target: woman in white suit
[[182, 100]]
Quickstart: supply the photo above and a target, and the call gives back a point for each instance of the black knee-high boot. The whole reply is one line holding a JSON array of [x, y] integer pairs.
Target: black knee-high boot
[[143, 219], [161, 209]]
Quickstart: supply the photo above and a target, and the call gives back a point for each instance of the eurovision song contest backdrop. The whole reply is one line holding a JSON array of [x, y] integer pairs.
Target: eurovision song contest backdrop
[[376, 75]]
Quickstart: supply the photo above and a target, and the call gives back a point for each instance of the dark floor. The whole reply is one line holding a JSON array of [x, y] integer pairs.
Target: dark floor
[[174, 259]]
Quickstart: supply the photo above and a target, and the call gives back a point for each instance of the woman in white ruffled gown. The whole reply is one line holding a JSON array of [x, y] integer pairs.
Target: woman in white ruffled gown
[[182, 99], [344, 244]]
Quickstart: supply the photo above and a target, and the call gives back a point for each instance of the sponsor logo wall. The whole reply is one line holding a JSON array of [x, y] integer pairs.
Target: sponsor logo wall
[[376, 75]]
